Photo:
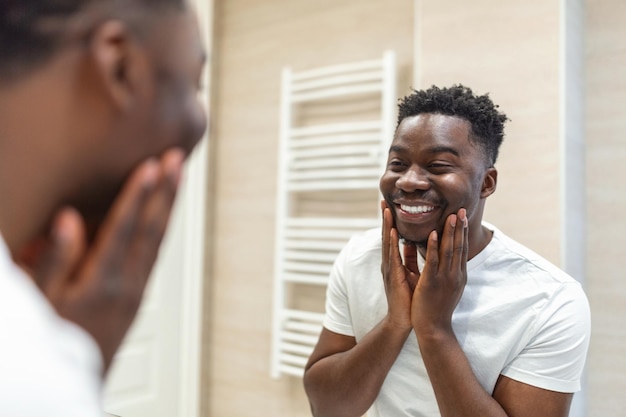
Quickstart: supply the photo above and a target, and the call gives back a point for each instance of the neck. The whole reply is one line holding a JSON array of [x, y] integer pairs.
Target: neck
[[26, 192], [479, 236], [478, 240], [33, 133]]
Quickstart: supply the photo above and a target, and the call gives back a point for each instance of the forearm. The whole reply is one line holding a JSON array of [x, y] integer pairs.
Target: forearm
[[346, 384], [456, 388]]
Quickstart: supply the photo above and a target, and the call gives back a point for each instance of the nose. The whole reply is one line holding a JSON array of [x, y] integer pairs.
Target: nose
[[413, 180]]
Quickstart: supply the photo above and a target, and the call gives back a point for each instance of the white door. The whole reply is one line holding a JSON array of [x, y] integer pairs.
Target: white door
[[156, 371], [144, 378]]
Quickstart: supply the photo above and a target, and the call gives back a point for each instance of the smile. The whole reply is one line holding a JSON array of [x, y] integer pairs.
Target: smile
[[416, 209]]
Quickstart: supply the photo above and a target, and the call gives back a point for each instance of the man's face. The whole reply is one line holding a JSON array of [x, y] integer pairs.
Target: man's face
[[178, 118], [432, 171], [164, 112]]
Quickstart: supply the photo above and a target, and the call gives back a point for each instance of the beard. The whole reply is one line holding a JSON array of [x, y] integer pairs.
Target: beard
[[406, 235], [422, 244]]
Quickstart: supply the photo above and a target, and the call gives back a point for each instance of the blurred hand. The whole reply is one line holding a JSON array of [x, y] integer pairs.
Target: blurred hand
[[99, 285]]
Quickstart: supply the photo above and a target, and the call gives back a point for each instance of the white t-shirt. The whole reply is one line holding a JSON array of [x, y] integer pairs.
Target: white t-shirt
[[519, 316], [48, 366]]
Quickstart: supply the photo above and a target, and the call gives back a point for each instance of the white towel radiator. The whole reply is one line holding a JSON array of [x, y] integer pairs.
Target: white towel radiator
[[337, 157]]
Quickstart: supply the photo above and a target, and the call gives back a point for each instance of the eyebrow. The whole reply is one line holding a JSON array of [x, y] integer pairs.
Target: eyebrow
[[433, 150]]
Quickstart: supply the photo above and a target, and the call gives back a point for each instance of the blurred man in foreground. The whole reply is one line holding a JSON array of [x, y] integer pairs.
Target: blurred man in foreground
[[98, 110]]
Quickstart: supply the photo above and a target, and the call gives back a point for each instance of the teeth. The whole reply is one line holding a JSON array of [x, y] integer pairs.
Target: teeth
[[416, 209]]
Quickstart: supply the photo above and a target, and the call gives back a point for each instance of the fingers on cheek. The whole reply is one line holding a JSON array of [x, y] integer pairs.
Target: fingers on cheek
[[122, 221], [155, 214], [387, 221], [393, 246], [459, 238], [432, 253], [449, 235], [153, 223], [73, 233]]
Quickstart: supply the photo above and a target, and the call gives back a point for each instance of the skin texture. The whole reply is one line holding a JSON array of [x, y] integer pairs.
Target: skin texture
[[97, 137], [433, 163]]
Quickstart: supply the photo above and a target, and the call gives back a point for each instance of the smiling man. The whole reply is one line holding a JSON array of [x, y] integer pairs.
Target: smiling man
[[445, 315], [98, 109]]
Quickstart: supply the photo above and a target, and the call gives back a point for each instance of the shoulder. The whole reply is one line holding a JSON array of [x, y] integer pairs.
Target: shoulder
[[363, 247], [513, 256], [359, 259], [526, 279], [59, 389], [42, 355]]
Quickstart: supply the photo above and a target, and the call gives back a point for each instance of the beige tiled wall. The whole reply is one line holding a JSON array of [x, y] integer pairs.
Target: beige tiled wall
[[509, 49], [606, 196]]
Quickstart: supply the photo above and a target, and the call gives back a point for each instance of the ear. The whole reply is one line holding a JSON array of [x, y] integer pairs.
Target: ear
[[489, 182], [118, 61]]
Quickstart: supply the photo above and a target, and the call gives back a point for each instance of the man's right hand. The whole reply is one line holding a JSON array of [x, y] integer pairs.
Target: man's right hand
[[399, 278], [99, 285]]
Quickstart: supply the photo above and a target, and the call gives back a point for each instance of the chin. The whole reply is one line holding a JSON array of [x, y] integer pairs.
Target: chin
[[412, 237], [94, 206]]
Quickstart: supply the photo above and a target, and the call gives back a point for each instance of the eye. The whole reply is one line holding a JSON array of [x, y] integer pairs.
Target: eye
[[440, 167], [396, 164]]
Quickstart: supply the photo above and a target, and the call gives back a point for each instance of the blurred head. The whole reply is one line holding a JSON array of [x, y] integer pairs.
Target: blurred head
[[441, 159], [121, 78], [31, 32]]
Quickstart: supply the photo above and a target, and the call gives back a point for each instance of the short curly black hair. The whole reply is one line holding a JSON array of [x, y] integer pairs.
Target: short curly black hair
[[486, 121], [32, 30]]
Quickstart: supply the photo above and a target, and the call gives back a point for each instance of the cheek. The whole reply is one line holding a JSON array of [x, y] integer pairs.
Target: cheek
[[454, 184], [191, 124], [387, 183], [197, 118], [183, 121], [460, 191]]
